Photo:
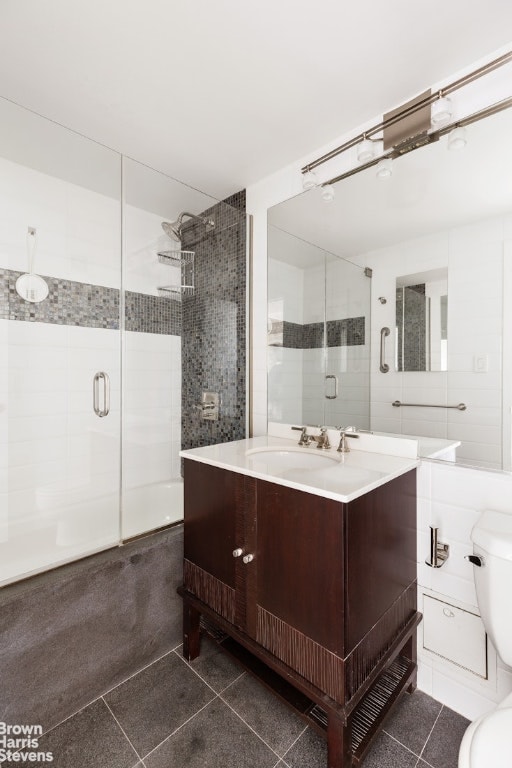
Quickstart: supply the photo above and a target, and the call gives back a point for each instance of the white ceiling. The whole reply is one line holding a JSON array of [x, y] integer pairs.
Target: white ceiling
[[220, 94], [431, 191]]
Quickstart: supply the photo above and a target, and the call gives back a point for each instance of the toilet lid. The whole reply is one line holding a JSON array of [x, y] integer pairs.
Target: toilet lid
[[492, 741]]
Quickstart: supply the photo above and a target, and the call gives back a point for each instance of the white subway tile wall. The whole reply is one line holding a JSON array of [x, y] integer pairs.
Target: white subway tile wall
[[152, 409], [76, 239]]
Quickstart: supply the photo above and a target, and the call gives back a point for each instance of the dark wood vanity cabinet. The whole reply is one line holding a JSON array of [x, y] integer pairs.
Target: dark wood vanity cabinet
[[324, 593]]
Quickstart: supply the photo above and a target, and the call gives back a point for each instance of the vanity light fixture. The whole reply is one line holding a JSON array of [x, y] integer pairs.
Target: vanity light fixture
[[327, 193], [457, 138], [436, 100], [385, 168], [309, 180], [441, 111]]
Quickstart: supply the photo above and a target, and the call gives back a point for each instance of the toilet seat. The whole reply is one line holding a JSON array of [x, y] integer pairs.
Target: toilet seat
[[490, 741]]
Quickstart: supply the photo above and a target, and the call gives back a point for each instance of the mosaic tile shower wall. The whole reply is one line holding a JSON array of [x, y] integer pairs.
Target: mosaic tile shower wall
[[214, 326], [152, 314]]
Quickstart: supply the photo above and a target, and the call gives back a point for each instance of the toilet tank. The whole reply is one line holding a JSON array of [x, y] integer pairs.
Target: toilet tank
[[492, 540]]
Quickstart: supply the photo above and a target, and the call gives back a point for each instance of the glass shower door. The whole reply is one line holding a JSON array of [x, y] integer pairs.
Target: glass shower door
[[347, 349], [60, 352]]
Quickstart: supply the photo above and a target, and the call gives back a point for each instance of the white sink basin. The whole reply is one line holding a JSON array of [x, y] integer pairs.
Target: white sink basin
[[282, 459], [304, 465]]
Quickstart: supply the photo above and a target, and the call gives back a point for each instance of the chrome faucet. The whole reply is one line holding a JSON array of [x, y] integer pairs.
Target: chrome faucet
[[322, 439]]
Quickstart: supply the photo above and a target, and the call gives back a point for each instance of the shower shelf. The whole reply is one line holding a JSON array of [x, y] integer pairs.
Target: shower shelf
[[184, 260], [176, 258]]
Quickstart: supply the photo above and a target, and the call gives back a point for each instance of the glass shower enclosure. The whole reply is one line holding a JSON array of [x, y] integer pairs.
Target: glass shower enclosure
[[93, 404]]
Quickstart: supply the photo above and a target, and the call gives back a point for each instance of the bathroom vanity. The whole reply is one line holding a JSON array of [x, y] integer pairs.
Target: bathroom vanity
[[303, 567]]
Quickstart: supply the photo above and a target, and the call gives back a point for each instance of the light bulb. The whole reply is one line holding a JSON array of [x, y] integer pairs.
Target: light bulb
[[309, 180], [457, 139], [328, 193], [441, 111], [385, 168], [365, 151]]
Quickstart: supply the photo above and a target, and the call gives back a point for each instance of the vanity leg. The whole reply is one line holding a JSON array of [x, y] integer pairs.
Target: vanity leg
[[339, 743], [191, 632], [411, 652]]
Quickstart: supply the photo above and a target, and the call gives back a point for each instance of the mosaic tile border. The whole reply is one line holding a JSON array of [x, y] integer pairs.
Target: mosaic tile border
[[93, 306], [349, 332]]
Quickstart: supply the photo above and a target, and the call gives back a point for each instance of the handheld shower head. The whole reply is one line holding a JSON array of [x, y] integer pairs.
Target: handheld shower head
[[173, 229]]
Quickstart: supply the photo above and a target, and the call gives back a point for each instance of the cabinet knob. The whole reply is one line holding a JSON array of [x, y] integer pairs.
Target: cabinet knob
[[237, 552], [248, 558]]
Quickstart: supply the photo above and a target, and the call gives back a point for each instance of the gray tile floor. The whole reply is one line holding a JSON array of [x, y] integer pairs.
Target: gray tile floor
[[211, 714]]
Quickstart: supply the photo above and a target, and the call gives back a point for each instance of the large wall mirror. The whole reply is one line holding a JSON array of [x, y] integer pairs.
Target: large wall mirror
[[437, 236]]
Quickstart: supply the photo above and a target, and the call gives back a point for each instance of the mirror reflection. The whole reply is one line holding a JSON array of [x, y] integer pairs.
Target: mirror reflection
[[422, 321], [318, 335], [437, 235]]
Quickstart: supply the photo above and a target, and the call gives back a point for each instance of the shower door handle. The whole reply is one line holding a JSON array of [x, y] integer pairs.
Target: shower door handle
[[101, 376], [335, 390]]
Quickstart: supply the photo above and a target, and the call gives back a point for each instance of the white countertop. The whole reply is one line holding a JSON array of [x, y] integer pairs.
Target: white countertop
[[338, 476]]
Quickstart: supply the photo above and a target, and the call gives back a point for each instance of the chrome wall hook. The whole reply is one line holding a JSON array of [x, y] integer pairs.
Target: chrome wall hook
[[439, 552]]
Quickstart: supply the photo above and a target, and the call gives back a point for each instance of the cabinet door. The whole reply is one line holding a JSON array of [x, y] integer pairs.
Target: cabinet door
[[299, 568], [212, 497]]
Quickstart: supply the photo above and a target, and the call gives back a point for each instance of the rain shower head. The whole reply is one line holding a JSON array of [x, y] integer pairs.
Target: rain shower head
[[173, 228]]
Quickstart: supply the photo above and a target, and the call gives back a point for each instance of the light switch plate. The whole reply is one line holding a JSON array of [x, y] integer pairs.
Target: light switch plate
[[481, 364]]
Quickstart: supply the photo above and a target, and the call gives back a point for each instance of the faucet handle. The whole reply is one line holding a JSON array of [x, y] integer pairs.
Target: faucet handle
[[304, 437], [345, 432]]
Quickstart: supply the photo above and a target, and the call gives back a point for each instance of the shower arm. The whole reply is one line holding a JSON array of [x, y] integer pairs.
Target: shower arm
[[203, 220], [173, 228]]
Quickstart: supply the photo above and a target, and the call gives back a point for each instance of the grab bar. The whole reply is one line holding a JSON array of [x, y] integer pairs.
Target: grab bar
[[101, 376], [332, 376], [398, 404], [384, 367]]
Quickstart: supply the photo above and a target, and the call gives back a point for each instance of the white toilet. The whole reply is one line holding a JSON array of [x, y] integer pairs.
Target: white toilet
[[488, 741]]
